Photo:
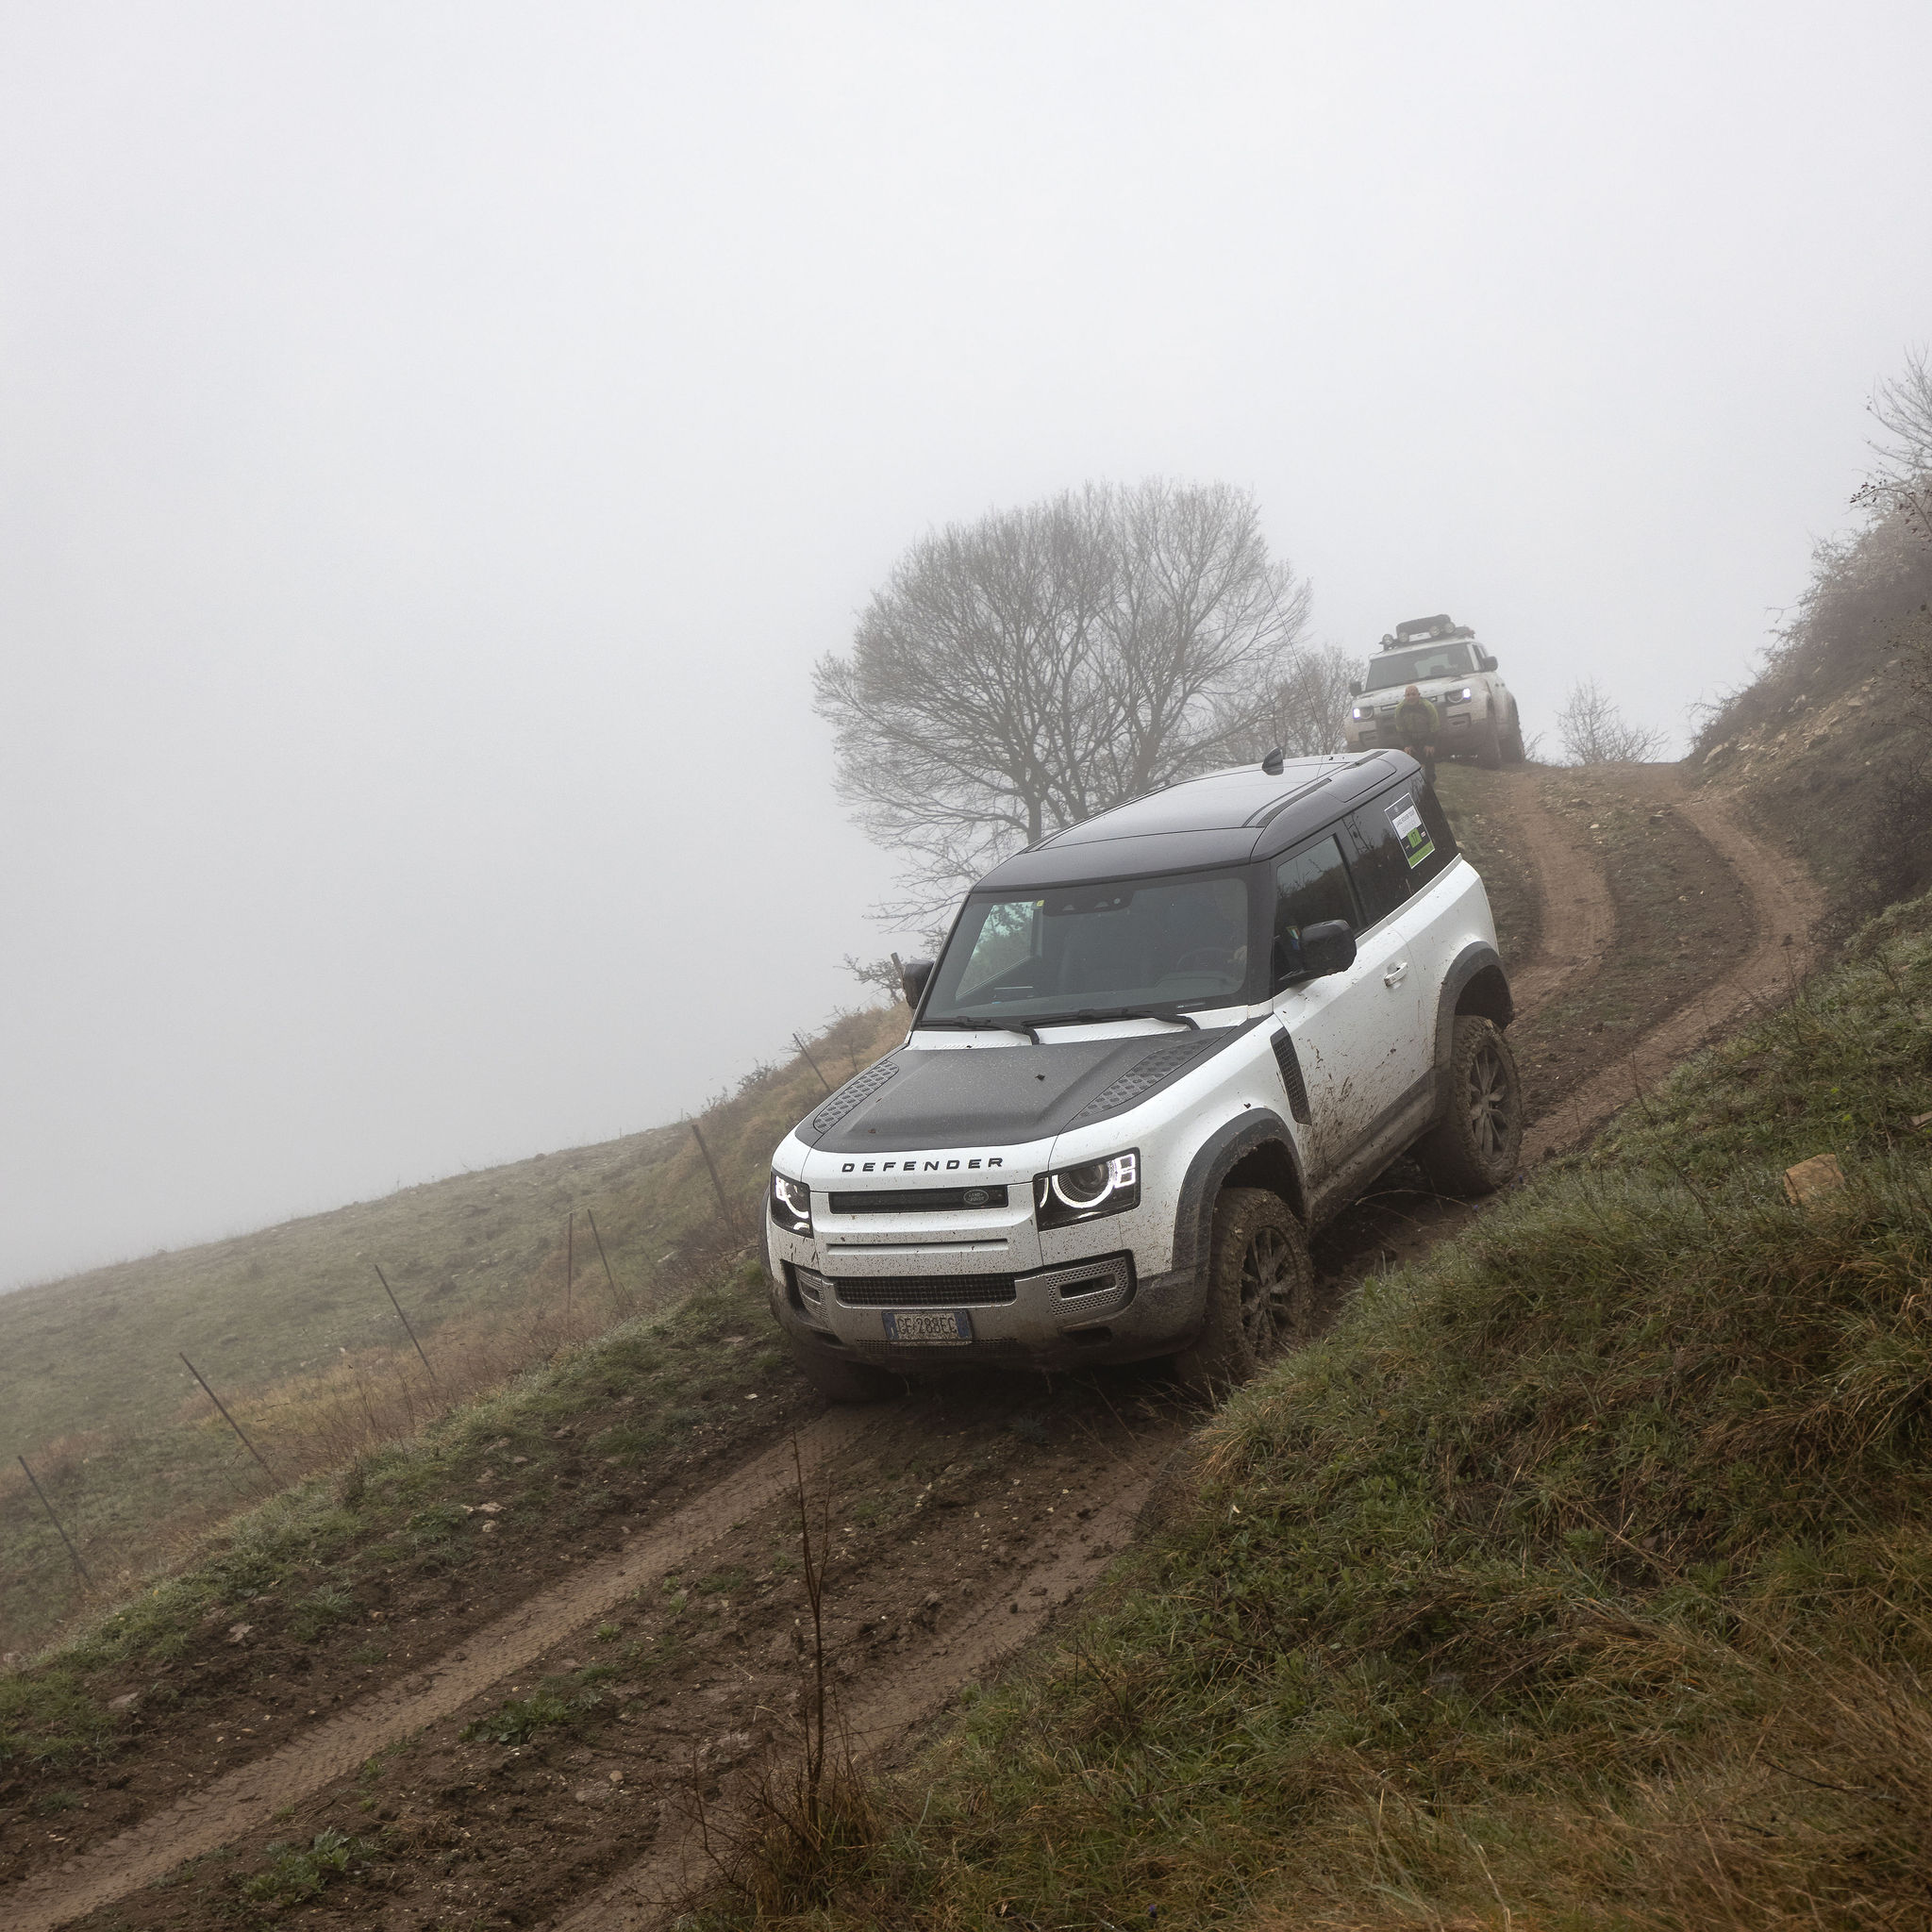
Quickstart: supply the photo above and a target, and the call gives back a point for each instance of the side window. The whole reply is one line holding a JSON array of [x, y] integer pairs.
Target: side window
[[1378, 860], [1309, 887], [1428, 844]]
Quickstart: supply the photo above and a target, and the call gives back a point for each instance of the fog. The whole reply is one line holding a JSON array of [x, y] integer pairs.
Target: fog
[[437, 441]]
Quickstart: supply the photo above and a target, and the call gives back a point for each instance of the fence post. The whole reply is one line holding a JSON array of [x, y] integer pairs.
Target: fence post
[[401, 1317], [717, 1186], [228, 1418], [812, 1063], [41, 1494], [617, 1294]]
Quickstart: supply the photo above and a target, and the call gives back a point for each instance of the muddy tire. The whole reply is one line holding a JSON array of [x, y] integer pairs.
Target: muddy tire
[[1260, 1291], [1477, 1139], [1513, 753], [1489, 744], [837, 1377]]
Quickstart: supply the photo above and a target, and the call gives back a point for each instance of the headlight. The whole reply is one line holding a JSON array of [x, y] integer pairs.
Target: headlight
[[1463, 696], [1109, 1186], [1360, 711], [791, 1204]]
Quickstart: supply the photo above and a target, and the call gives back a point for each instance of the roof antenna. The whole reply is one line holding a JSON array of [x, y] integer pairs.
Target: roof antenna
[[1271, 764]]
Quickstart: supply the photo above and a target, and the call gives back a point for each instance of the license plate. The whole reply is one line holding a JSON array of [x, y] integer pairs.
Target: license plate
[[948, 1328]]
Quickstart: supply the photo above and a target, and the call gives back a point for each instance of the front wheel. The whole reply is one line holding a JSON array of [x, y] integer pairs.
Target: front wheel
[[837, 1376], [1476, 1140], [1260, 1291], [1489, 744], [1513, 751]]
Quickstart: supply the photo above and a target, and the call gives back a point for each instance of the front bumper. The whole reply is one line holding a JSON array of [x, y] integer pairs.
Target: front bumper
[[1458, 733], [1087, 1312]]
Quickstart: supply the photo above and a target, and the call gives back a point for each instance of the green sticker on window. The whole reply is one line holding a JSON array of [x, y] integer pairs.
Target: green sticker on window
[[1416, 843]]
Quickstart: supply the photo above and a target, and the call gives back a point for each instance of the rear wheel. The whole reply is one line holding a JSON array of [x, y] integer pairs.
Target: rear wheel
[[839, 1377], [1477, 1139], [1260, 1291]]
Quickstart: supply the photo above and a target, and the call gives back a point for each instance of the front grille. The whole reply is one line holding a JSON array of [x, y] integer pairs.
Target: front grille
[[918, 1200], [926, 1291]]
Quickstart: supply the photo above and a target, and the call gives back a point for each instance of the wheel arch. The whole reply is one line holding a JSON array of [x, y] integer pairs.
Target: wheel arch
[[1474, 982], [1253, 1150]]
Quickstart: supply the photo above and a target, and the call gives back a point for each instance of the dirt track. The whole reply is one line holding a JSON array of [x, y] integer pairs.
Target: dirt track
[[1785, 905], [926, 1597]]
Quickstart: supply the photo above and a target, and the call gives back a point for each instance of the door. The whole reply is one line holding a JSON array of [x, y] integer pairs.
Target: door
[[1355, 1058], [1391, 850]]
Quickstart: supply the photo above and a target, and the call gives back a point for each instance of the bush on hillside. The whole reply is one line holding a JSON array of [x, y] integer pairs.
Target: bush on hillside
[[1861, 636]]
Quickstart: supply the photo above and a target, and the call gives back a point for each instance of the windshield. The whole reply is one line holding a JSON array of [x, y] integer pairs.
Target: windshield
[[1416, 666], [1136, 944]]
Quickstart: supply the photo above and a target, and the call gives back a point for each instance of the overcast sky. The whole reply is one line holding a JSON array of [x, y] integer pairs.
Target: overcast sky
[[437, 441]]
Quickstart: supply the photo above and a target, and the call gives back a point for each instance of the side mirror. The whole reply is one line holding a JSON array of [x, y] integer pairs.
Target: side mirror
[[1483, 658], [913, 973], [1328, 947], [1355, 689]]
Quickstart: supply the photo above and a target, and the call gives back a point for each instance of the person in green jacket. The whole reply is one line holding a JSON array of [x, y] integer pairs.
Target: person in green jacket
[[1417, 722]]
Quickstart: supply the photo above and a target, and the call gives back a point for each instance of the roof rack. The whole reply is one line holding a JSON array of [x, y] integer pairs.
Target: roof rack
[[1420, 629]]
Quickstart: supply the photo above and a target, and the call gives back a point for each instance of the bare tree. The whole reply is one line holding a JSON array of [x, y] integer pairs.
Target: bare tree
[[1902, 481], [1027, 670], [1595, 732], [1307, 715]]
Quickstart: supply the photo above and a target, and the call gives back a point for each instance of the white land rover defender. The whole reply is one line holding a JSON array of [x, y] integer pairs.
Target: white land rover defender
[[1157, 1050], [1442, 659]]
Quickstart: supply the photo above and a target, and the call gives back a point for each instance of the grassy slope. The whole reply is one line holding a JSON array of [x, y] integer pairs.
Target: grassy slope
[[1583, 1576], [660, 1396], [132, 1453]]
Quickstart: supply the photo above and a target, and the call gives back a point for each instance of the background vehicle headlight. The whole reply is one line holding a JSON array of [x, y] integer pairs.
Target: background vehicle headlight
[[1358, 712], [1109, 1186], [1463, 696], [791, 1204]]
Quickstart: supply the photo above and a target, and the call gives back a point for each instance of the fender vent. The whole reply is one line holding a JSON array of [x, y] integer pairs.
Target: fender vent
[[1290, 1064], [1143, 1076], [855, 1092]]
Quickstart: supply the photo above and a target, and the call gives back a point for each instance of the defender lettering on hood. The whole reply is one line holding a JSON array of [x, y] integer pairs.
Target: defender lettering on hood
[[922, 1166]]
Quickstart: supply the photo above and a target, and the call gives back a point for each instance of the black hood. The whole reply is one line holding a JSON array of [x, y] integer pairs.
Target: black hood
[[1000, 1096]]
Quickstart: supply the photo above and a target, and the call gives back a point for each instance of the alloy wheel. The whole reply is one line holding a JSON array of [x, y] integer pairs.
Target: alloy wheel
[[1490, 1111], [1270, 1291]]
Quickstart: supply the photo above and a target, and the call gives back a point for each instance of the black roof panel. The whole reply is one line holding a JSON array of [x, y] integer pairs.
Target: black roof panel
[[1226, 818], [1217, 802]]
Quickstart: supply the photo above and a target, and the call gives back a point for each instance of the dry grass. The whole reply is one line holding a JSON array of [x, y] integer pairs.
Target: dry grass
[[294, 1330]]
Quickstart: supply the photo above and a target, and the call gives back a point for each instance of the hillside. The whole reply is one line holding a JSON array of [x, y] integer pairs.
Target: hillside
[[294, 1330], [1578, 1578], [494, 1664], [1831, 744]]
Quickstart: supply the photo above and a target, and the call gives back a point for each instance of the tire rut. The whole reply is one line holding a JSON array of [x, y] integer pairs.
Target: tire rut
[[1579, 919], [246, 1799], [650, 1891], [1785, 905]]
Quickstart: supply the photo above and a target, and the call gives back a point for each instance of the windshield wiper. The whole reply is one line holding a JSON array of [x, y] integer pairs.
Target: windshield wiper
[[1090, 1015], [1025, 1026]]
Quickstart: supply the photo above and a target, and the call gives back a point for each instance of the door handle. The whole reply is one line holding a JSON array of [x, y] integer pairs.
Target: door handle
[[1393, 972]]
